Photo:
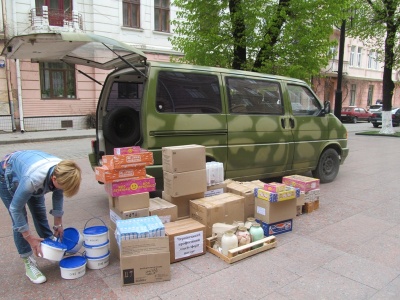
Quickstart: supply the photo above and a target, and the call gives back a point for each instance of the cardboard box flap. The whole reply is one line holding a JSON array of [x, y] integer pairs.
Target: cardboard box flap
[[182, 226], [159, 203]]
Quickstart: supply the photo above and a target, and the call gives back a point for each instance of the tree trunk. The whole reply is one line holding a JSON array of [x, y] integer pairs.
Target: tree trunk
[[238, 33]]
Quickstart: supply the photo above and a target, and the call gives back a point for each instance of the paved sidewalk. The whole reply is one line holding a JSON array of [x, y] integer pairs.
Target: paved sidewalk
[[40, 136]]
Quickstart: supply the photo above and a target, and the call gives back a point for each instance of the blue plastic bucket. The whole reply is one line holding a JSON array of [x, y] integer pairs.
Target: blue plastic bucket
[[73, 239], [73, 267]]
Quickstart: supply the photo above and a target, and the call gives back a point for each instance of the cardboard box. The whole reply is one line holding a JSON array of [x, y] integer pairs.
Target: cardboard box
[[247, 191], [274, 187], [272, 212], [124, 215], [177, 159], [185, 183], [301, 199], [130, 202], [145, 260], [312, 195], [182, 203], [166, 211], [223, 208], [127, 150], [288, 194], [304, 183], [114, 248], [131, 186], [103, 174], [128, 160], [216, 189], [186, 239], [276, 228]]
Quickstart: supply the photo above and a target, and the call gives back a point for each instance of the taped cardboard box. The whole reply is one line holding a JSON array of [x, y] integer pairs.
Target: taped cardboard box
[[216, 189], [145, 260], [223, 208], [182, 203], [166, 211], [130, 202], [186, 239], [248, 194], [185, 183], [272, 212], [185, 158]]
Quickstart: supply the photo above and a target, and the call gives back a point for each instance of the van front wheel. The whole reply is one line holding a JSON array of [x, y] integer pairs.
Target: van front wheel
[[328, 166], [121, 126]]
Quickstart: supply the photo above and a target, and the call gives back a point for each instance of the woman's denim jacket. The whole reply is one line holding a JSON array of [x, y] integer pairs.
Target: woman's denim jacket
[[28, 174]]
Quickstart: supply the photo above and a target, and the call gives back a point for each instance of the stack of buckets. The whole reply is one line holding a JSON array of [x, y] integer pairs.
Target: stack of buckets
[[97, 254]]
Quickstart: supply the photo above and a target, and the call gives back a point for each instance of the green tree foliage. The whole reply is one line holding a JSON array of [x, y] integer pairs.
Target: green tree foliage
[[283, 37], [377, 24]]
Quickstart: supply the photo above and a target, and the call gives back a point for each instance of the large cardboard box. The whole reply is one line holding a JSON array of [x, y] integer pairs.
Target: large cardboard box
[[186, 239], [145, 260], [223, 208], [177, 159], [130, 202], [182, 203], [185, 183], [166, 211], [272, 212], [247, 192]]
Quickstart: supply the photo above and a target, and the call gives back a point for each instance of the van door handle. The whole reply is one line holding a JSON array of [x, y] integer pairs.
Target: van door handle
[[283, 122], [291, 122]]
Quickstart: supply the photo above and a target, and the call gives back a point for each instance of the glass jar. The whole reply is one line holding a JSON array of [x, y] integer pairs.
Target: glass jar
[[249, 222], [228, 241], [244, 237], [257, 233]]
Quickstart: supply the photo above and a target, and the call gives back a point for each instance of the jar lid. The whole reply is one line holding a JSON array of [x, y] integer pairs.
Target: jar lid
[[242, 228]]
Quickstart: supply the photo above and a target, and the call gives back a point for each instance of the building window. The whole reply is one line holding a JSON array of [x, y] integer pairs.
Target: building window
[[372, 60], [359, 57], [57, 80], [59, 10], [161, 15], [370, 94], [131, 13], [353, 94], [352, 55]]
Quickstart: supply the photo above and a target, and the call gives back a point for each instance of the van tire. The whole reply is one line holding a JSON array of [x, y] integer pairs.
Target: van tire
[[121, 126], [328, 166]]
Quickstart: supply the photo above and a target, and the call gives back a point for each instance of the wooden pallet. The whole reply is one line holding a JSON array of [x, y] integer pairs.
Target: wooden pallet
[[234, 255]]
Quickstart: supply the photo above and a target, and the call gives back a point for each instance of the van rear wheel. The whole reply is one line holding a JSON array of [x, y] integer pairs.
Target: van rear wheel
[[121, 126], [328, 166]]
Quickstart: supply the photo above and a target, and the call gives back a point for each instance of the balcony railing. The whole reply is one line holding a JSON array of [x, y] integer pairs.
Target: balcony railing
[[43, 18], [333, 67]]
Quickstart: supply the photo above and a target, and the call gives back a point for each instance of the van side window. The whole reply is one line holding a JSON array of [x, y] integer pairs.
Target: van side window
[[249, 96], [303, 100], [191, 93], [125, 94]]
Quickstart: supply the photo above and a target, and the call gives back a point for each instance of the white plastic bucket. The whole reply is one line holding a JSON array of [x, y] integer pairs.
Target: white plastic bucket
[[96, 263], [73, 239], [98, 250], [73, 267], [95, 235], [53, 250]]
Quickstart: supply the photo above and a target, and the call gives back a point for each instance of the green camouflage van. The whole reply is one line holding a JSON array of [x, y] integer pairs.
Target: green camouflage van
[[257, 125]]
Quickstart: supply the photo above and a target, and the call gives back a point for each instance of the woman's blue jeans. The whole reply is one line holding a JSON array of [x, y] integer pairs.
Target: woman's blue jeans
[[39, 217]]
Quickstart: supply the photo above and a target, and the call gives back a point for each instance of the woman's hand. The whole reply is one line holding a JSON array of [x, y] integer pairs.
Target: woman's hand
[[59, 232], [35, 243]]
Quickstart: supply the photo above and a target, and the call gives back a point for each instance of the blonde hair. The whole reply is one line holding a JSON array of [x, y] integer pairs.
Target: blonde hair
[[68, 176]]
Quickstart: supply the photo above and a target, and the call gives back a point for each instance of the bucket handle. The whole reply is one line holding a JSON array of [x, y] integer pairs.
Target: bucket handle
[[95, 218]]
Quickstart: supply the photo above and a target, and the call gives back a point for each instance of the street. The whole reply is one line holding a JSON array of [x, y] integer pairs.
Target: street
[[347, 249]]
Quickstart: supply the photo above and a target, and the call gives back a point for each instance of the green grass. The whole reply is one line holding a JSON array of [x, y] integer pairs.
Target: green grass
[[376, 133]]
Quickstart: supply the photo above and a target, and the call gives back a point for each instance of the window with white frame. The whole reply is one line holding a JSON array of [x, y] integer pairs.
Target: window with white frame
[[161, 15], [57, 80], [131, 13], [359, 57], [352, 55], [372, 60]]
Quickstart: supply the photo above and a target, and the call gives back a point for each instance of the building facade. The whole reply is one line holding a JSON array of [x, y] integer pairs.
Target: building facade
[[49, 96]]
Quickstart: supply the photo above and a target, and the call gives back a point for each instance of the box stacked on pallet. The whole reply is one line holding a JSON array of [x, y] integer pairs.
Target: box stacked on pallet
[[275, 207], [184, 175], [310, 191]]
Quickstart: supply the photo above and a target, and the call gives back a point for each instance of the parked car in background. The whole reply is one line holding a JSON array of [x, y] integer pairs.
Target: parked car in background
[[354, 114], [375, 108], [376, 118]]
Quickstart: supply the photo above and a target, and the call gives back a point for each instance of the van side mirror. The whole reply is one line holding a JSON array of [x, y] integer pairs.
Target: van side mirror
[[327, 107]]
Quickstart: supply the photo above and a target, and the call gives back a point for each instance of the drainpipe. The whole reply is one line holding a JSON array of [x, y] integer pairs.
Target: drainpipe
[[17, 66]]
